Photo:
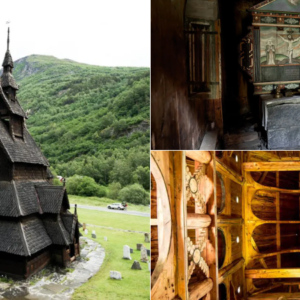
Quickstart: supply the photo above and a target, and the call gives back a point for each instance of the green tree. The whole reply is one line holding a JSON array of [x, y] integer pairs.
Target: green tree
[[134, 194], [114, 190], [121, 172], [142, 176], [84, 186]]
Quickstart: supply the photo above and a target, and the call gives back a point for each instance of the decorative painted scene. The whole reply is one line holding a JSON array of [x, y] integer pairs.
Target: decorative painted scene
[[279, 47]]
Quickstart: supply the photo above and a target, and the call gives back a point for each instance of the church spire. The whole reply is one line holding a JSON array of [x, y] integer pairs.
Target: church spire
[[7, 39], [8, 61], [7, 79]]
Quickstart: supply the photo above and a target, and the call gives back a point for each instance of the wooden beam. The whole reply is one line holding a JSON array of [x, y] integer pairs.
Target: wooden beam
[[277, 204], [274, 222], [201, 156], [262, 178], [268, 288], [274, 296], [253, 243], [271, 166], [272, 273], [293, 250], [153, 222], [263, 263], [232, 175], [228, 220], [230, 269], [198, 290], [195, 221]]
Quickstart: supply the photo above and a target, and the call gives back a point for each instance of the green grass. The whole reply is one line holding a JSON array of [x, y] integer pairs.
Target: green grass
[[103, 202], [120, 221], [135, 284]]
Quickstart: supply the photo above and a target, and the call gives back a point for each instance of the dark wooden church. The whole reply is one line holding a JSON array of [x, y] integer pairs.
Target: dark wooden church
[[36, 227]]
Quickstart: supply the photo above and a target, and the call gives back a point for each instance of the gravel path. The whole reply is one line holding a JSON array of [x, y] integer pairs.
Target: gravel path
[[54, 283]]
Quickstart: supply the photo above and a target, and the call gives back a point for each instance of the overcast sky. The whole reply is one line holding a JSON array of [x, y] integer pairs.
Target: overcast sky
[[98, 32]]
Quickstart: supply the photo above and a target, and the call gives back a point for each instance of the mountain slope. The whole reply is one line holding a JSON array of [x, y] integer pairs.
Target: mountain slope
[[78, 111]]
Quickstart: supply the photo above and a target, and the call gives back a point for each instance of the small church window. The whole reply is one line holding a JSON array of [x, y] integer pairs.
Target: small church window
[[199, 58]]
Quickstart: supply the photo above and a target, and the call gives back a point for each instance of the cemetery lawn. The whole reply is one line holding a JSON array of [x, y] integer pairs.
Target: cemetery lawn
[[110, 219], [135, 284], [103, 202]]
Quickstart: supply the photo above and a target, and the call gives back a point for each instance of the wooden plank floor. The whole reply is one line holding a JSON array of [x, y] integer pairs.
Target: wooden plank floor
[[243, 141], [243, 135]]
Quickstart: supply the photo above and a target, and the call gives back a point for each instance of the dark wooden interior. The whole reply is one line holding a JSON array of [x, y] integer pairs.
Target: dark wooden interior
[[198, 88]]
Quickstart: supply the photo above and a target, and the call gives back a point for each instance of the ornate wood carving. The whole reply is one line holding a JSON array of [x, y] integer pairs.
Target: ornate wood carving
[[246, 54]]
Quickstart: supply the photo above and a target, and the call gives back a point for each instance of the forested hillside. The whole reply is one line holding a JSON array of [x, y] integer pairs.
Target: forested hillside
[[88, 120]]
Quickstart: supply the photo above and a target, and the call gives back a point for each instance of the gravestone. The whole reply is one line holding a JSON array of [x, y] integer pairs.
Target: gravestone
[[147, 240], [131, 250], [148, 252], [94, 236], [86, 231], [139, 246], [144, 257], [115, 275], [136, 265], [105, 238], [126, 252], [83, 226]]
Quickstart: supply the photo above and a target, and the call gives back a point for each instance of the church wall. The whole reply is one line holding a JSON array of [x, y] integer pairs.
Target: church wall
[[12, 265], [37, 262], [237, 94], [21, 267], [177, 122], [29, 171], [17, 125]]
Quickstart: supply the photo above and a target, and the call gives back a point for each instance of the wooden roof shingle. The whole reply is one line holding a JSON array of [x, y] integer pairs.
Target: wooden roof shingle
[[19, 150]]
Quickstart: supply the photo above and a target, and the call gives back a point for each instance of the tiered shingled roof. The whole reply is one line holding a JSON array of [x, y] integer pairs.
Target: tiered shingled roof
[[19, 150], [24, 237]]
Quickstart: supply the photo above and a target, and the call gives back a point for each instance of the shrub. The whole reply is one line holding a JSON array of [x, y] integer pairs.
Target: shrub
[[84, 186], [114, 190], [134, 194]]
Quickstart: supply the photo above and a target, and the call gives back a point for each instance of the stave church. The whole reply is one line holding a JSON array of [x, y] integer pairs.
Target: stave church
[[36, 226]]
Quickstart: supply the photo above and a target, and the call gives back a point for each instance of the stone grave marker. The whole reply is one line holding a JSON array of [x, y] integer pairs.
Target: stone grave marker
[[126, 252], [86, 231], [94, 236], [148, 252], [105, 238], [136, 265], [147, 240], [144, 257], [115, 275], [131, 250], [139, 246]]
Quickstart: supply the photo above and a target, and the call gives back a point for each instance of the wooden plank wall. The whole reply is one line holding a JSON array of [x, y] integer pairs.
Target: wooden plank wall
[[230, 222], [178, 122]]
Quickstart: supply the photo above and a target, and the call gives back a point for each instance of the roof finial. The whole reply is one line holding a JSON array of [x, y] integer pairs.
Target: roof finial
[[8, 39]]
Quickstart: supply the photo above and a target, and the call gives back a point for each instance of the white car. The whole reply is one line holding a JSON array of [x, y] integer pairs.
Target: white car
[[116, 206]]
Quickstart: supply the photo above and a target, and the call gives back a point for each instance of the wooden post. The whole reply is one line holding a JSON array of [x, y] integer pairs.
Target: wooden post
[[198, 290], [195, 221], [278, 242]]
